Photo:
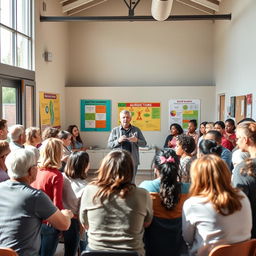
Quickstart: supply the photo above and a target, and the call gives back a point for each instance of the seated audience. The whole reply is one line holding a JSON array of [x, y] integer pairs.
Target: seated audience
[[202, 131], [33, 139], [207, 147], [212, 215], [50, 132], [4, 151], [17, 136], [226, 155], [23, 208], [244, 174], [170, 141], [192, 126], [113, 209], [76, 141], [220, 127], [65, 137], [50, 180], [209, 126], [163, 237], [230, 131], [184, 148], [74, 183], [3, 129]]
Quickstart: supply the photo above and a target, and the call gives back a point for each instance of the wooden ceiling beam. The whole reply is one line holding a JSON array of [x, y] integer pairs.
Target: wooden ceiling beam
[[85, 6], [211, 4], [196, 6]]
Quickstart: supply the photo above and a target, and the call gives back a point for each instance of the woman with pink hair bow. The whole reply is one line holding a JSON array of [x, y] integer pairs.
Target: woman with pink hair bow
[[163, 237]]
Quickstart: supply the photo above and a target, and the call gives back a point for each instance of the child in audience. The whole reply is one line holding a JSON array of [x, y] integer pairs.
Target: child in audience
[[230, 131], [50, 180], [76, 141], [170, 141], [113, 209], [220, 127], [163, 236], [244, 174], [213, 213], [184, 148], [74, 183]]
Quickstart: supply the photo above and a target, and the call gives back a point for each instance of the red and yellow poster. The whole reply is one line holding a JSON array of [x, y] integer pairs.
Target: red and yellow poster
[[49, 110], [145, 115]]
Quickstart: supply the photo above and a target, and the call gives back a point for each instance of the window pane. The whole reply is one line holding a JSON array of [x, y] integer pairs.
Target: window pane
[[22, 52], [9, 96], [6, 12], [23, 16], [29, 106], [6, 46]]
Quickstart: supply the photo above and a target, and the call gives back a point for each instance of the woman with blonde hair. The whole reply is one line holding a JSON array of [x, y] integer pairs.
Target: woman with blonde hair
[[33, 139], [113, 209], [244, 174], [213, 213], [50, 180]]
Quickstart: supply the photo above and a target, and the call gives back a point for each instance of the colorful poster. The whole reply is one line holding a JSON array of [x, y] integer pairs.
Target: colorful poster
[[181, 111], [145, 115], [95, 115], [49, 110]]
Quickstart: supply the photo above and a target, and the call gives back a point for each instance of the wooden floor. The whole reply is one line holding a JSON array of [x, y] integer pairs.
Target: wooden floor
[[141, 176]]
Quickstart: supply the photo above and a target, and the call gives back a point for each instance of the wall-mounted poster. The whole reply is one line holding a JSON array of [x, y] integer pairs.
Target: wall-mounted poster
[[95, 115], [181, 111], [49, 110], [145, 115], [249, 105]]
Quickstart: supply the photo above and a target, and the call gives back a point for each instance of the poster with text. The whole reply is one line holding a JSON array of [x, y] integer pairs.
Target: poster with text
[[181, 111], [145, 115], [95, 115], [49, 110]]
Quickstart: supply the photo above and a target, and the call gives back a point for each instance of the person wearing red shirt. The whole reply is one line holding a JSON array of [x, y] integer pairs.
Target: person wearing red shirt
[[220, 127], [50, 180], [230, 131]]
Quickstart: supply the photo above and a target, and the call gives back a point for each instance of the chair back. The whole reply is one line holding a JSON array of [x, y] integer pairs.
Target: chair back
[[109, 253], [246, 248], [4, 251]]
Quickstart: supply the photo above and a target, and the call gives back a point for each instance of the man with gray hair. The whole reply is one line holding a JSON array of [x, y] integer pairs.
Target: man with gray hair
[[17, 136], [128, 137], [22, 208]]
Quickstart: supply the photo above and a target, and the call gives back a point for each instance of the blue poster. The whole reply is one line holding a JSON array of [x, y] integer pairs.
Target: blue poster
[[95, 115]]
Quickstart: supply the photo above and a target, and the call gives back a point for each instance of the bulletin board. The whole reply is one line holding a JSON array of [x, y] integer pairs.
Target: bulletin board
[[183, 110], [95, 115], [145, 115], [240, 108], [49, 107]]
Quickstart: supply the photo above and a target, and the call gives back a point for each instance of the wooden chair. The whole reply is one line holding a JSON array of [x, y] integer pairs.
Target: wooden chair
[[246, 248], [4, 251], [109, 253]]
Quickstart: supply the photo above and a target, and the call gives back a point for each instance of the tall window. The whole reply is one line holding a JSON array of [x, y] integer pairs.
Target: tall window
[[16, 33]]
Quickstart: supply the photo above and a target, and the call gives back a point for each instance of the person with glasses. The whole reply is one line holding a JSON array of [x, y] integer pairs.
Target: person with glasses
[[23, 208]]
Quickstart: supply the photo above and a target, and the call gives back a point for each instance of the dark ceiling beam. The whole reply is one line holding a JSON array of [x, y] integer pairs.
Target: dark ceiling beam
[[133, 18]]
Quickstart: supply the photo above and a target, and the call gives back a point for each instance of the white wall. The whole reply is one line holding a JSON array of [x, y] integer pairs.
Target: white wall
[[160, 94], [140, 53], [53, 37], [235, 55]]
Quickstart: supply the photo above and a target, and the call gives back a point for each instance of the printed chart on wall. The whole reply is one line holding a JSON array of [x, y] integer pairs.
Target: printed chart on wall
[[49, 110], [145, 115], [95, 115], [181, 111]]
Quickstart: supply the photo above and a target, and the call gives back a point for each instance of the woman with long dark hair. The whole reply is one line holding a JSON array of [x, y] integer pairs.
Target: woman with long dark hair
[[163, 237]]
